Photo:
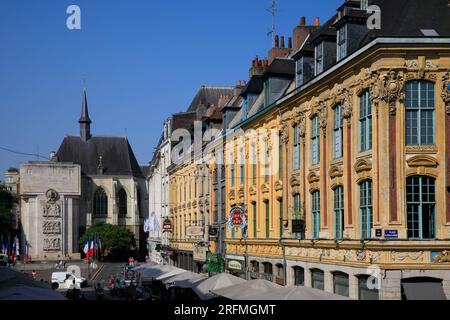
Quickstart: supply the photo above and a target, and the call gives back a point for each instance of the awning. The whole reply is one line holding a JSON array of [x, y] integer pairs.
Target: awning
[[424, 291]]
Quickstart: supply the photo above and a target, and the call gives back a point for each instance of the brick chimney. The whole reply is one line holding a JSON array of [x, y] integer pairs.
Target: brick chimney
[[258, 67], [279, 50], [302, 31], [237, 89]]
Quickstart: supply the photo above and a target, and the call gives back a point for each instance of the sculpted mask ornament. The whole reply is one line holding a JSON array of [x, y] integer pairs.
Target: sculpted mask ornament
[[393, 89], [347, 106], [446, 91], [376, 90], [322, 112], [52, 196]]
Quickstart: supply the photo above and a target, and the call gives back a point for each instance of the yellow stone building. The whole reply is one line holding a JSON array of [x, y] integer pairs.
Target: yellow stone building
[[355, 199]]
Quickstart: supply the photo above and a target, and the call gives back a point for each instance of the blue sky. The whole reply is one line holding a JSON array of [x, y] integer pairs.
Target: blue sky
[[142, 60]]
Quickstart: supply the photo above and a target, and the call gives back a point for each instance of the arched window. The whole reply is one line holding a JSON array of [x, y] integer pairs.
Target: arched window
[[100, 203], [122, 202], [420, 117], [365, 208], [268, 268], [317, 279], [367, 290], [340, 283], [338, 212], [299, 276], [421, 207]]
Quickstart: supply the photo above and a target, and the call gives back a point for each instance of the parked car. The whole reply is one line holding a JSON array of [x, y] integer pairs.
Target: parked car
[[66, 280]]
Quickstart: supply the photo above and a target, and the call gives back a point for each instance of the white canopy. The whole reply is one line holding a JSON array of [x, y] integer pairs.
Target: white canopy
[[296, 293], [219, 281], [170, 273], [246, 290], [152, 272]]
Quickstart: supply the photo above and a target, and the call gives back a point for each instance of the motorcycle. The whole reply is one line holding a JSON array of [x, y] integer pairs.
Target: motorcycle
[[99, 293]]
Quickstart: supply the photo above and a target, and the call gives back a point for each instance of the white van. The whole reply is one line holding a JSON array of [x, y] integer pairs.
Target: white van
[[66, 280]]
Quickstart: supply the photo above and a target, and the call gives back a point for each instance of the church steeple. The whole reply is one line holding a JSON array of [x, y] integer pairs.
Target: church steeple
[[85, 121]]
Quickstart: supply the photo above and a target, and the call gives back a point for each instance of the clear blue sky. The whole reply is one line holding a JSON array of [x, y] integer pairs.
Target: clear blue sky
[[142, 60]]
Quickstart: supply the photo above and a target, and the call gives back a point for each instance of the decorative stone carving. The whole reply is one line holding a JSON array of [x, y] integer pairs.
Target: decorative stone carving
[[52, 196], [336, 171], [313, 177], [52, 210], [446, 91], [50, 227], [422, 161], [52, 244], [278, 185], [362, 165], [347, 106], [100, 167], [393, 84], [443, 257], [322, 113], [294, 181], [401, 256], [284, 133]]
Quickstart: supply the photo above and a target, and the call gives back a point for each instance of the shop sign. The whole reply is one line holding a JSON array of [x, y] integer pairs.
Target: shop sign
[[167, 225], [235, 265], [194, 231]]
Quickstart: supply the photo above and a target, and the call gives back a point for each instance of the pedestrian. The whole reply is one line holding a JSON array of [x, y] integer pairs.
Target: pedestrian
[[34, 274]]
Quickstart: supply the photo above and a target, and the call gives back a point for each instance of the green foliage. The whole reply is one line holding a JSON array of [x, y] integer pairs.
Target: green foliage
[[117, 242], [6, 204], [215, 263]]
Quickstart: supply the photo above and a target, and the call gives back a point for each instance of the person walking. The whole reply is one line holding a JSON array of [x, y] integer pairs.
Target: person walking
[[34, 274]]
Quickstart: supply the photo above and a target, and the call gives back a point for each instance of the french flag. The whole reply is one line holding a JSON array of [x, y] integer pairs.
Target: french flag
[[92, 249], [14, 250], [86, 249]]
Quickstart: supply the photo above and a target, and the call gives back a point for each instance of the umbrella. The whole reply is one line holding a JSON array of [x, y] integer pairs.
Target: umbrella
[[21, 292], [154, 271], [245, 291], [170, 273], [183, 277], [219, 281], [296, 293]]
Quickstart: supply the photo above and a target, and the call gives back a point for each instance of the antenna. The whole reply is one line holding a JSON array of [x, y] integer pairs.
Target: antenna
[[273, 12]]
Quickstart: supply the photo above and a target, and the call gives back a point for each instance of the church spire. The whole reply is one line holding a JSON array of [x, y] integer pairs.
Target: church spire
[[85, 121]]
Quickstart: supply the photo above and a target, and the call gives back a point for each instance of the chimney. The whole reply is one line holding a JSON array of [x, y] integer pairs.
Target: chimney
[[302, 31], [316, 22], [257, 68], [290, 43], [53, 157], [278, 51], [282, 42], [277, 43], [303, 21]]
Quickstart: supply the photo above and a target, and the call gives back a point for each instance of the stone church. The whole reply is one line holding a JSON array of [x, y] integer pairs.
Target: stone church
[[90, 178]]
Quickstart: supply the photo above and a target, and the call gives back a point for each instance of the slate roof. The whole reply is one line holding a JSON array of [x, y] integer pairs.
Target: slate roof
[[255, 85], [282, 67], [208, 95], [117, 156]]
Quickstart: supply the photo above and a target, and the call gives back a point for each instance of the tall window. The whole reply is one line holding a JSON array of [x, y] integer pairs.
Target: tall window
[[342, 42], [364, 4], [100, 203], [266, 161], [315, 141], [421, 207], [338, 122], [232, 170], [296, 148], [280, 207], [254, 163], [365, 208], [255, 222], [242, 167], [315, 214], [122, 202], [266, 204], [365, 122], [338, 212], [296, 217], [299, 72], [420, 113], [318, 60]]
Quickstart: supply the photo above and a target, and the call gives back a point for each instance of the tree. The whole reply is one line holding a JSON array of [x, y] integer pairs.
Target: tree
[[6, 205], [118, 242]]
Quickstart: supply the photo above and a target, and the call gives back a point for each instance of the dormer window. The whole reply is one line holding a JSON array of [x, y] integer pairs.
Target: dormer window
[[267, 93], [318, 57], [342, 42], [244, 108], [299, 72]]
